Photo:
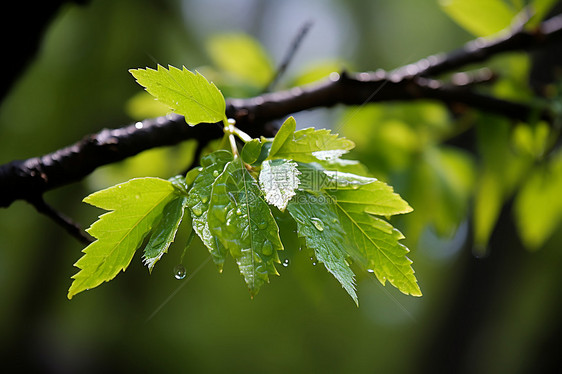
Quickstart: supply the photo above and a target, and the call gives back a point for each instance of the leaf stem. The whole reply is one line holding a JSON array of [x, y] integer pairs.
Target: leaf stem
[[229, 129], [232, 130], [239, 133]]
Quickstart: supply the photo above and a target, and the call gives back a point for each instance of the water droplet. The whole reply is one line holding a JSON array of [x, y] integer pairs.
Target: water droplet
[[139, 125], [204, 199], [267, 249], [334, 220], [197, 210], [286, 262], [317, 222], [355, 186], [334, 76], [262, 225], [238, 212], [216, 173], [370, 271], [313, 261], [179, 271]]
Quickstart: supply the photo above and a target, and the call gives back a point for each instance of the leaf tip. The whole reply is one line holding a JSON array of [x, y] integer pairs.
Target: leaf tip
[[416, 292]]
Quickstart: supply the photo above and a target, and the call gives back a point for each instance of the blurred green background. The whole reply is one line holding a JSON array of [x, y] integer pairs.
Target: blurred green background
[[498, 313]]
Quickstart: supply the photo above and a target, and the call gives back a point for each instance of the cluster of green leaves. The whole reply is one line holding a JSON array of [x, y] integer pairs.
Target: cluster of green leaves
[[237, 199], [487, 17], [513, 161]]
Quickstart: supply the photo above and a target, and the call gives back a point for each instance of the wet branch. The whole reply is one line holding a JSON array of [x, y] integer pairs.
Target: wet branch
[[65, 222], [31, 178]]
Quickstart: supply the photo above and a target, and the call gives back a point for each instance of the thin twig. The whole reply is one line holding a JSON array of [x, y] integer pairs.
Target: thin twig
[[68, 224], [296, 43]]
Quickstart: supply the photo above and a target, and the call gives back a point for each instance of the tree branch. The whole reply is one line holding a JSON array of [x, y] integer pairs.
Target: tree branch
[[68, 224], [481, 49], [32, 177]]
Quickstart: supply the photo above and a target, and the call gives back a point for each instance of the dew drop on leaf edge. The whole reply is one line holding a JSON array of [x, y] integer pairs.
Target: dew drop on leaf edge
[[286, 262], [197, 210], [179, 271], [317, 222]]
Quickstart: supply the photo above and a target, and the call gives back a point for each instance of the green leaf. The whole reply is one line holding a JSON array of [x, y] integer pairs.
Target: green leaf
[[278, 180], [318, 71], [199, 198], [244, 224], [142, 106], [307, 145], [180, 184], [439, 186], [241, 56], [503, 171], [479, 17], [164, 232], [251, 151], [376, 242], [538, 207], [284, 135], [488, 201], [346, 166], [317, 222], [187, 93], [375, 198], [343, 180], [136, 206], [314, 178], [532, 140], [540, 10]]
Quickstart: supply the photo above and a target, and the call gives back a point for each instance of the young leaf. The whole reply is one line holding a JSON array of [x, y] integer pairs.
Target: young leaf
[[135, 207], [199, 198], [375, 198], [540, 9], [307, 145], [314, 178], [343, 180], [284, 135], [187, 93], [241, 56], [317, 221], [279, 179], [244, 224], [376, 242], [346, 166], [251, 151], [538, 207], [164, 232], [480, 17]]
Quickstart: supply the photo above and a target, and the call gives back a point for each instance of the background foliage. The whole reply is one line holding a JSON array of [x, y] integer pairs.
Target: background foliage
[[498, 313]]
